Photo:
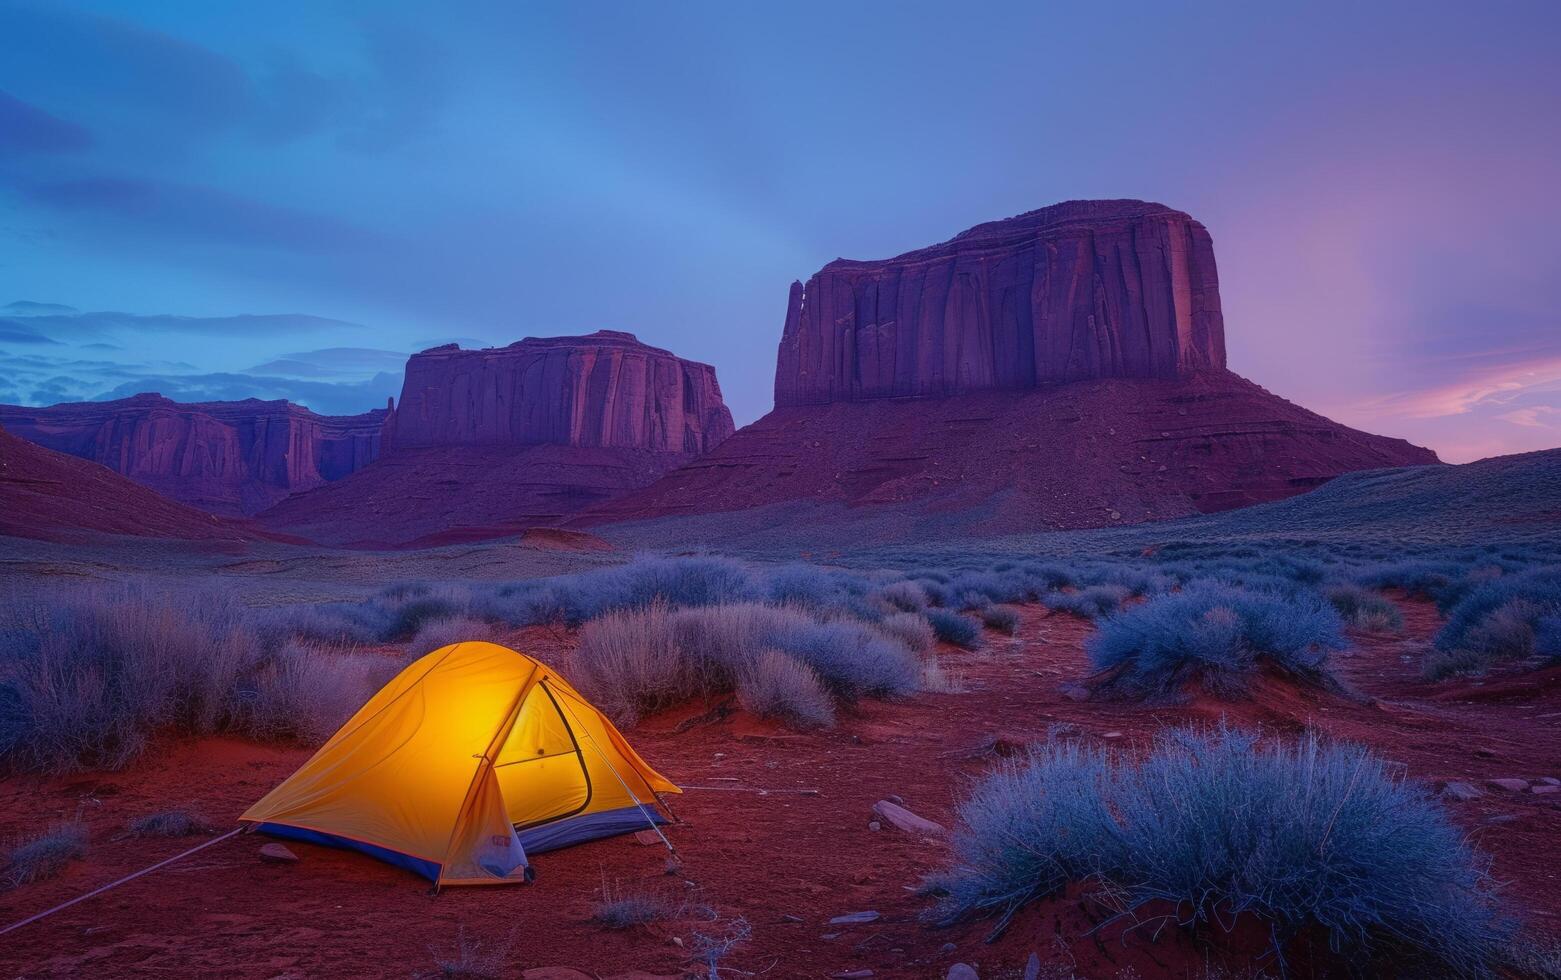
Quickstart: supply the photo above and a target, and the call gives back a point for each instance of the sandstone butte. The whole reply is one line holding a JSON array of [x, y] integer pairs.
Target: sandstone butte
[[493, 441], [1086, 289], [603, 390], [231, 458], [1063, 368]]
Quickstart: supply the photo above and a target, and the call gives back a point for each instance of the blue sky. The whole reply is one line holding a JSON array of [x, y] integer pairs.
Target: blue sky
[[281, 199]]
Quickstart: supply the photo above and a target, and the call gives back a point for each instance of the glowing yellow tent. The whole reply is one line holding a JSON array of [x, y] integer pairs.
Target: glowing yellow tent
[[468, 759]]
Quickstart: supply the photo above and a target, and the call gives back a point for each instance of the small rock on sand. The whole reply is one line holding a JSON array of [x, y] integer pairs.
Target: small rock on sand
[[1510, 785], [647, 837], [963, 971], [1073, 692], [1032, 967], [854, 919], [853, 975], [1461, 791], [906, 820], [275, 853]]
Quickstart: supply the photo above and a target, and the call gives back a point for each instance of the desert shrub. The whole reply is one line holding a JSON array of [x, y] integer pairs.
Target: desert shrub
[[168, 823], [45, 855], [620, 908], [1500, 620], [805, 586], [1364, 609], [776, 685], [1427, 579], [904, 596], [1048, 577], [937, 592], [1208, 826], [631, 664], [910, 629], [852, 659], [1215, 637], [408, 609], [672, 582], [324, 624], [1462, 662], [970, 601], [1090, 602], [95, 675], [470, 959], [637, 662], [301, 694], [989, 586], [457, 629], [1000, 618], [951, 627]]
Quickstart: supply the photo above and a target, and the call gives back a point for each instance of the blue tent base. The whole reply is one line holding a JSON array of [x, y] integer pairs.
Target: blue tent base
[[534, 840], [588, 826], [418, 866]]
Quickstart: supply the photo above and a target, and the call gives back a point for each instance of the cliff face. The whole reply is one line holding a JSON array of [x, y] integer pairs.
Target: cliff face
[[604, 390], [223, 457], [491, 442], [1085, 289]]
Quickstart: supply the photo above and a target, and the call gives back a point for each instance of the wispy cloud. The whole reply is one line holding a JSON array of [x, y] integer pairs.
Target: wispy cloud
[[25, 128], [1482, 388]]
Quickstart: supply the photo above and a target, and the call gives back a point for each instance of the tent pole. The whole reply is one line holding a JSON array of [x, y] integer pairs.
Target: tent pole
[[614, 770]]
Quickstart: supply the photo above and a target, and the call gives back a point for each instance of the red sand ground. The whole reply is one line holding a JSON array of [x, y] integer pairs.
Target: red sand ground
[[786, 862]]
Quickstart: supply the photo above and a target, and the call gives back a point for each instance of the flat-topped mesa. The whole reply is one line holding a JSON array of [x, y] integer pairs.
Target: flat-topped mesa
[[236, 457], [602, 390], [1084, 289]]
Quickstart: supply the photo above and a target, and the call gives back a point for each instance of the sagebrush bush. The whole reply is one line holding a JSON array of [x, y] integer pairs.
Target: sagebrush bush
[[1209, 826], [94, 675], [1364, 609], [1090, 602], [910, 629], [1215, 637], [904, 596], [777, 685], [636, 662], [168, 823], [951, 627], [457, 629], [620, 908], [1001, 618], [1499, 620], [45, 855]]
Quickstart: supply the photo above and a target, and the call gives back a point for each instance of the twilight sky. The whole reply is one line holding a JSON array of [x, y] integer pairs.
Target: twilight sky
[[283, 199]]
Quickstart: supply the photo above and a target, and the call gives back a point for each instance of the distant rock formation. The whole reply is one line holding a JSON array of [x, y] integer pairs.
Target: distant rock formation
[[491, 442], [51, 496], [1085, 289], [603, 390], [1061, 369], [228, 458]]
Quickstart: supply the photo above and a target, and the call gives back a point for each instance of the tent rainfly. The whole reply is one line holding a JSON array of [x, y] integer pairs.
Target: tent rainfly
[[468, 760]]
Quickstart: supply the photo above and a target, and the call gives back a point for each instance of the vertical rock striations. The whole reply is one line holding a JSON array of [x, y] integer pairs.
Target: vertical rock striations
[[223, 457], [1085, 289], [604, 390]]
